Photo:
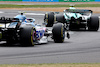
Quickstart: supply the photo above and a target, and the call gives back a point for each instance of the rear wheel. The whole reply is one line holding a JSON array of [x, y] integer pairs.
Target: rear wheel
[[49, 19], [58, 33], [93, 23], [10, 42], [27, 36], [60, 18]]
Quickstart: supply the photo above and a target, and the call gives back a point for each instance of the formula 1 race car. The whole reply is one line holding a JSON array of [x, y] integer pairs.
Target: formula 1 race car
[[27, 33], [76, 19]]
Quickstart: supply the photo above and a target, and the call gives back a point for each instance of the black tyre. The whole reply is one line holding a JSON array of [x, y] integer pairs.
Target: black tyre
[[60, 18], [49, 19], [10, 42], [58, 33], [93, 23], [27, 36]]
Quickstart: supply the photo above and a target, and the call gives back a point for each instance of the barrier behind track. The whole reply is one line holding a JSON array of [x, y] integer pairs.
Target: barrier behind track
[[42, 0], [55, 0], [76, 0], [10, 0], [97, 0]]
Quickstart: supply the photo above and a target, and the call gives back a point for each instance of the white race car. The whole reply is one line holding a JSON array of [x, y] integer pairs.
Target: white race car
[[27, 33]]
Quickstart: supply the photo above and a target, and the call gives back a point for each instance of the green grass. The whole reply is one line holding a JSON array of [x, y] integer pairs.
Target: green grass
[[30, 6]]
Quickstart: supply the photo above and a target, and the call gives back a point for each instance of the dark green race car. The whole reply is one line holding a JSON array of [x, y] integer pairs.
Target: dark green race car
[[73, 19]]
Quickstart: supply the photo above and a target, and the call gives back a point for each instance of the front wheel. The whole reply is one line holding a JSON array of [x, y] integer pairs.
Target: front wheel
[[58, 33]]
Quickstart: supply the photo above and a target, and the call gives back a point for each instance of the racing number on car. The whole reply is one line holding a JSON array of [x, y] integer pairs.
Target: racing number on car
[[39, 34]]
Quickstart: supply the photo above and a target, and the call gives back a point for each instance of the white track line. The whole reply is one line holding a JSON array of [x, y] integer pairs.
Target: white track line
[[1, 12], [34, 14]]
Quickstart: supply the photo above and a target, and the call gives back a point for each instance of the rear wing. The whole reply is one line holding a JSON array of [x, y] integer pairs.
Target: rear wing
[[4, 20], [78, 11], [8, 20]]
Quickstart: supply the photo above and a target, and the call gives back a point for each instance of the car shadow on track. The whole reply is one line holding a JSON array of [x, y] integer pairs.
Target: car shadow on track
[[36, 45], [84, 30], [4, 44]]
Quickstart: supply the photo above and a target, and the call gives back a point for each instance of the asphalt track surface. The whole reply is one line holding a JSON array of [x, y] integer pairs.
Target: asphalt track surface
[[82, 47]]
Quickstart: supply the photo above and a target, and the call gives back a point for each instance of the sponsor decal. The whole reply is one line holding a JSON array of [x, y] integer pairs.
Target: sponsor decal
[[42, 0]]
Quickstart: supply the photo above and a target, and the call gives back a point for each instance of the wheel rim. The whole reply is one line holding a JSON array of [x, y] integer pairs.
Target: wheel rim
[[33, 37], [62, 33]]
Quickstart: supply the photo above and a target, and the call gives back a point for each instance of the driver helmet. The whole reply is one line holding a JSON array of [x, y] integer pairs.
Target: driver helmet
[[72, 6]]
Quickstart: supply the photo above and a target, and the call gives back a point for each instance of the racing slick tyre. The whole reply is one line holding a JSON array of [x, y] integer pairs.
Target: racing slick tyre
[[49, 19], [60, 18], [27, 36], [58, 33], [93, 23], [10, 42]]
